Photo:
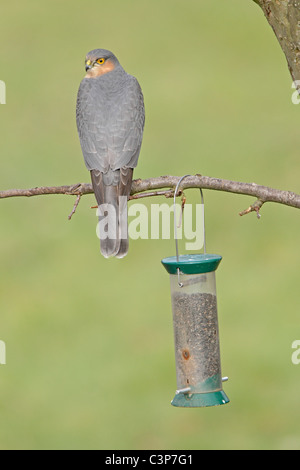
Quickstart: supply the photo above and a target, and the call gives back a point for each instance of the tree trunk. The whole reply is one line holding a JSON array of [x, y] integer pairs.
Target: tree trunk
[[284, 17]]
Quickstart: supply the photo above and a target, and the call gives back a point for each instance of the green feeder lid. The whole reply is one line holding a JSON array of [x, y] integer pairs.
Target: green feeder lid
[[192, 264]]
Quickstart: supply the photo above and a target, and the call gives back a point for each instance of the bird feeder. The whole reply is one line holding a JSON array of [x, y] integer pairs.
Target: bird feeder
[[196, 331]]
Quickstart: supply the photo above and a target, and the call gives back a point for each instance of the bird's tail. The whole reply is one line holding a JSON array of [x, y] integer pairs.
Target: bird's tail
[[112, 212]]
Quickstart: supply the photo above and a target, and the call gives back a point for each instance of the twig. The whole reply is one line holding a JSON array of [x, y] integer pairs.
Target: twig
[[183, 201], [169, 193], [75, 206], [254, 207]]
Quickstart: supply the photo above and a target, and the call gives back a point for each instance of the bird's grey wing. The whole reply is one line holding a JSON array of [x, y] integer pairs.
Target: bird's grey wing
[[133, 120], [91, 126], [124, 125]]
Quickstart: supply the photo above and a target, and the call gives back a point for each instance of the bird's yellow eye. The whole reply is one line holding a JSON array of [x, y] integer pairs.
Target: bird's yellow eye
[[100, 61]]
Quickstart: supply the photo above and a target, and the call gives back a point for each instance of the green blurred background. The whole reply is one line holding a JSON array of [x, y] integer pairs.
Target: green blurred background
[[90, 360]]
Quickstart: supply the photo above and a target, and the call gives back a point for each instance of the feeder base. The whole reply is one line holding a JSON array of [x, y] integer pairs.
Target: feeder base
[[197, 400]]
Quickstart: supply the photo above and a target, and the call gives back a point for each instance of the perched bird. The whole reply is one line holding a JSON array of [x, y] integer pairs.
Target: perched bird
[[110, 120]]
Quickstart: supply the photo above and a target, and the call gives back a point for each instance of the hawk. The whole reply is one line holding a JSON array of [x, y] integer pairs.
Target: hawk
[[110, 119]]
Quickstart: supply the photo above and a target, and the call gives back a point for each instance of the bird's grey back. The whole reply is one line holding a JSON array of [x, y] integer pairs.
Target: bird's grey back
[[110, 120]]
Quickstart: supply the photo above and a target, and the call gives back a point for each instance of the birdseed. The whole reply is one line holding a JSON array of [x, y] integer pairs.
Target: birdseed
[[196, 335]]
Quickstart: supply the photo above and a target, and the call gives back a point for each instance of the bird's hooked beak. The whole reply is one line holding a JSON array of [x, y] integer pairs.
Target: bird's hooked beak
[[88, 65]]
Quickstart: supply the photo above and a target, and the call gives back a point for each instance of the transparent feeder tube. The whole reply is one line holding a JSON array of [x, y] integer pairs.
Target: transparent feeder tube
[[196, 332], [196, 338]]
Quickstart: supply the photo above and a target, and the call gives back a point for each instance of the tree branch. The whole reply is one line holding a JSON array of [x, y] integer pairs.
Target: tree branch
[[165, 185], [284, 18]]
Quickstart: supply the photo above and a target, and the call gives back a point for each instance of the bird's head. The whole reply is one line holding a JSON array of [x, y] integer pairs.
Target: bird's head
[[100, 61]]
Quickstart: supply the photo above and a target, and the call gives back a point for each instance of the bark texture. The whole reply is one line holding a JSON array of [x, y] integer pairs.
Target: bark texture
[[284, 17], [154, 186]]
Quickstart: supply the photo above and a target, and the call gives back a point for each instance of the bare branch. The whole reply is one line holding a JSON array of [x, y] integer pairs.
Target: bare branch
[[263, 193], [284, 18], [165, 185], [73, 190]]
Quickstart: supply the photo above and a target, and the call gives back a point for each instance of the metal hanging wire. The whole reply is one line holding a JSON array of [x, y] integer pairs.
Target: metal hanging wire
[[175, 224]]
